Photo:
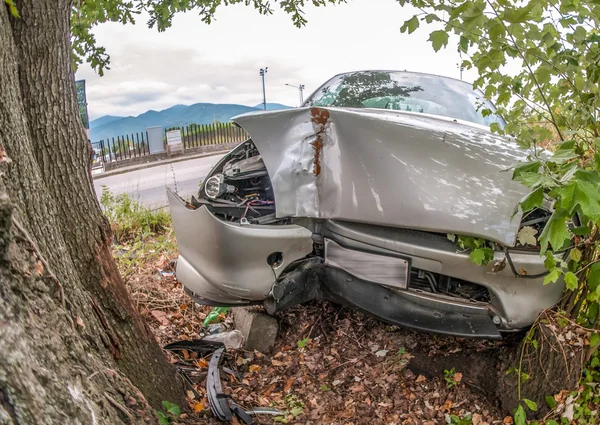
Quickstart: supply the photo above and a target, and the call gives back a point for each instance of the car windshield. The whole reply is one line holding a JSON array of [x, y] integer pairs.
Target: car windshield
[[406, 91]]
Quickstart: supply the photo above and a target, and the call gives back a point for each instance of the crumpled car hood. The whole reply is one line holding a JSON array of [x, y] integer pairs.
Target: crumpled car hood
[[390, 168]]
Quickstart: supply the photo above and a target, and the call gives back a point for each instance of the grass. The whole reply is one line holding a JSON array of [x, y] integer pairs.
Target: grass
[[130, 219]]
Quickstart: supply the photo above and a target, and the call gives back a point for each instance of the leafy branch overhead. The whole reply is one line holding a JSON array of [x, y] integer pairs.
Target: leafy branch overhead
[[87, 14]]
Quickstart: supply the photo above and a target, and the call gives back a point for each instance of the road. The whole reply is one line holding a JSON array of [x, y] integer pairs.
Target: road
[[148, 185]]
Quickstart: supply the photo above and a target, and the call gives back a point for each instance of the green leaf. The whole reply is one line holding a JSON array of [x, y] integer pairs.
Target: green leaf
[[464, 44], [12, 8], [520, 416], [411, 25], [553, 276], [581, 230], [171, 408], [438, 39], [575, 255], [530, 404], [579, 194], [162, 418], [431, 17], [555, 232], [550, 402], [526, 167], [593, 279], [302, 343], [533, 200], [543, 75], [482, 256], [517, 15], [296, 411], [571, 281], [594, 339], [550, 261]]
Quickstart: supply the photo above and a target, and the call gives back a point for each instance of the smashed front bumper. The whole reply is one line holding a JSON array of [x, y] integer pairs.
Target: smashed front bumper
[[225, 263]]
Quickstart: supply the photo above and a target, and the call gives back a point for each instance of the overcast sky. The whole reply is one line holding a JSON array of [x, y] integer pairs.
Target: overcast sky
[[219, 63]]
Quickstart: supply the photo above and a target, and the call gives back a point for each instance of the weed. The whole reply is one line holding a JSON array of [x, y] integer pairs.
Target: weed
[[449, 376], [324, 387], [294, 408], [303, 342], [456, 420], [171, 412], [129, 219]]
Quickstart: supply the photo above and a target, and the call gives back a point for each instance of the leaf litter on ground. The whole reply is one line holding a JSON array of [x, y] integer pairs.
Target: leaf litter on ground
[[361, 361]]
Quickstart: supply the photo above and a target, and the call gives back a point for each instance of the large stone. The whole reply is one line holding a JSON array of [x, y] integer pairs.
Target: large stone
[[259, 328]]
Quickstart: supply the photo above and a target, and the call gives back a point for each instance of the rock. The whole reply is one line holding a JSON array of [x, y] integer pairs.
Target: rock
[[258, 328]]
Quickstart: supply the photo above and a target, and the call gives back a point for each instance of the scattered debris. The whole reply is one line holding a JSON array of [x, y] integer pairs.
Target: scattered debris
[[232, 339]]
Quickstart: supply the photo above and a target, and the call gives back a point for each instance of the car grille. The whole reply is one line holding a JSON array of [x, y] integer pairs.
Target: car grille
[[425, 281]]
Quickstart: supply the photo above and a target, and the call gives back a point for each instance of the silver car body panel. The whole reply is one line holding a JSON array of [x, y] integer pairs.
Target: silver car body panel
[[390, 168], [226, 262]]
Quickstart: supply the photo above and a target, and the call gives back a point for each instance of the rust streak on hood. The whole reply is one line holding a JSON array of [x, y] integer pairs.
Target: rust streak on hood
[[320, 118]]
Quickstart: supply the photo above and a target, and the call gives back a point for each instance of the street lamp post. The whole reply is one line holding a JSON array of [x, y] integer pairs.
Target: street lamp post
[[461, 68], [300, 88], [262, 73]]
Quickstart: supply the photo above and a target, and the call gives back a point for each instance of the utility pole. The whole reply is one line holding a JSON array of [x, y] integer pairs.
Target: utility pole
[[300, 88], [262, 73]]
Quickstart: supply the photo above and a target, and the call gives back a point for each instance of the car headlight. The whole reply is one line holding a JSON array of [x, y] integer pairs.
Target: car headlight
[[215, 187]]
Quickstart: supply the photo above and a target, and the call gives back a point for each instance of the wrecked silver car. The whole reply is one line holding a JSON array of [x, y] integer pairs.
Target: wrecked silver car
[[351, 198]]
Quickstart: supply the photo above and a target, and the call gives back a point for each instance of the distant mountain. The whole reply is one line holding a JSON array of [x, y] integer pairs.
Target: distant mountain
[[272, 106], [103, 120], [178, 115]]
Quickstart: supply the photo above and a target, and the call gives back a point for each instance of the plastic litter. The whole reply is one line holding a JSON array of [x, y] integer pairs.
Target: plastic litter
[[231, 339]]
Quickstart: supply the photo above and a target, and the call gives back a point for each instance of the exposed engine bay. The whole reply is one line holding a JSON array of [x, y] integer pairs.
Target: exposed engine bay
[[240, 190]]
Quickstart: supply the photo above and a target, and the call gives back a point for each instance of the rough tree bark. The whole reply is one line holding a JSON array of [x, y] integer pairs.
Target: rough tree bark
[[73, 348]]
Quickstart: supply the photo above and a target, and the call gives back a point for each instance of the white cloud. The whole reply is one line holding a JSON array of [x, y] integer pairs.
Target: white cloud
[[219, 63]]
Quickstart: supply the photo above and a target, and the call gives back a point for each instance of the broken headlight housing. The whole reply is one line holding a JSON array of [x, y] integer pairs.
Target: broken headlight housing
[[215, 187]]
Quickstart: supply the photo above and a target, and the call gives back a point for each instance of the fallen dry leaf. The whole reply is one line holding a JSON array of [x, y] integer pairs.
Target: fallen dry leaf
[[457, 377], [201, 363], [160, 317], [288, 384], [420, 378], [198, 407], [508, 420], [254, 368]]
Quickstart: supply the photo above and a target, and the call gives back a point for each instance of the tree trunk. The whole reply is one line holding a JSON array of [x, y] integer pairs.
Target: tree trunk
[[73, 347]]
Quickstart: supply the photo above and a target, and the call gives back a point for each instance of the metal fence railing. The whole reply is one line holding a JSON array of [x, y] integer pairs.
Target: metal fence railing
[[135, 145], [196, 135]]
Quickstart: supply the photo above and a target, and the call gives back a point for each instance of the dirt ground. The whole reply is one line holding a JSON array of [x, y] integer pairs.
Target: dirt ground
[[330, 365]]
